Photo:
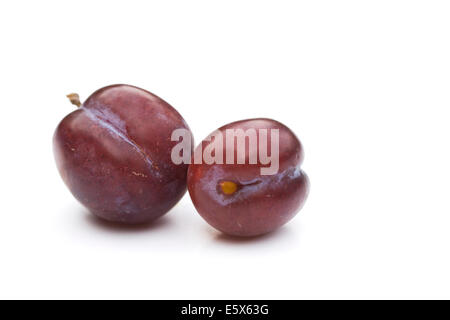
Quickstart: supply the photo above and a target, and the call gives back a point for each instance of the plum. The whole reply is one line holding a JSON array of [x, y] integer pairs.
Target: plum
[[114, 154], [244, 198]]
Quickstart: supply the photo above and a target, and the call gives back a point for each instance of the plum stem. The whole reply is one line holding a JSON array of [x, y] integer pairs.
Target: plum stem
[[74, 99]]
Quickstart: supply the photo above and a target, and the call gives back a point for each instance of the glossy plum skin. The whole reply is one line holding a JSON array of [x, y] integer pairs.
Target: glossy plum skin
[[114, 151], [259, 203]]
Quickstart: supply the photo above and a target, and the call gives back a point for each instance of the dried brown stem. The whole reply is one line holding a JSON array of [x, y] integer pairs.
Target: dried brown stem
[[74, 99]]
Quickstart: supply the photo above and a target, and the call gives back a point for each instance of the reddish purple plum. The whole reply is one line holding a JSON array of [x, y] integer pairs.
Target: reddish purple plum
[[237, 198], [114, 154]]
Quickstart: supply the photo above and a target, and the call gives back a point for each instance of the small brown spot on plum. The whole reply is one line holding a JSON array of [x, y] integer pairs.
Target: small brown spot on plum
[[139, 174], [228, 187]]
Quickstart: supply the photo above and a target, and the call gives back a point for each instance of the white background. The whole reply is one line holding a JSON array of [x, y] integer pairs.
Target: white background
[[364, 84]]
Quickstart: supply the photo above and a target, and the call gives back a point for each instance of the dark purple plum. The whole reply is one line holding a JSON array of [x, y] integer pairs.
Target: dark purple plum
[[114, 154], [236, 198]]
